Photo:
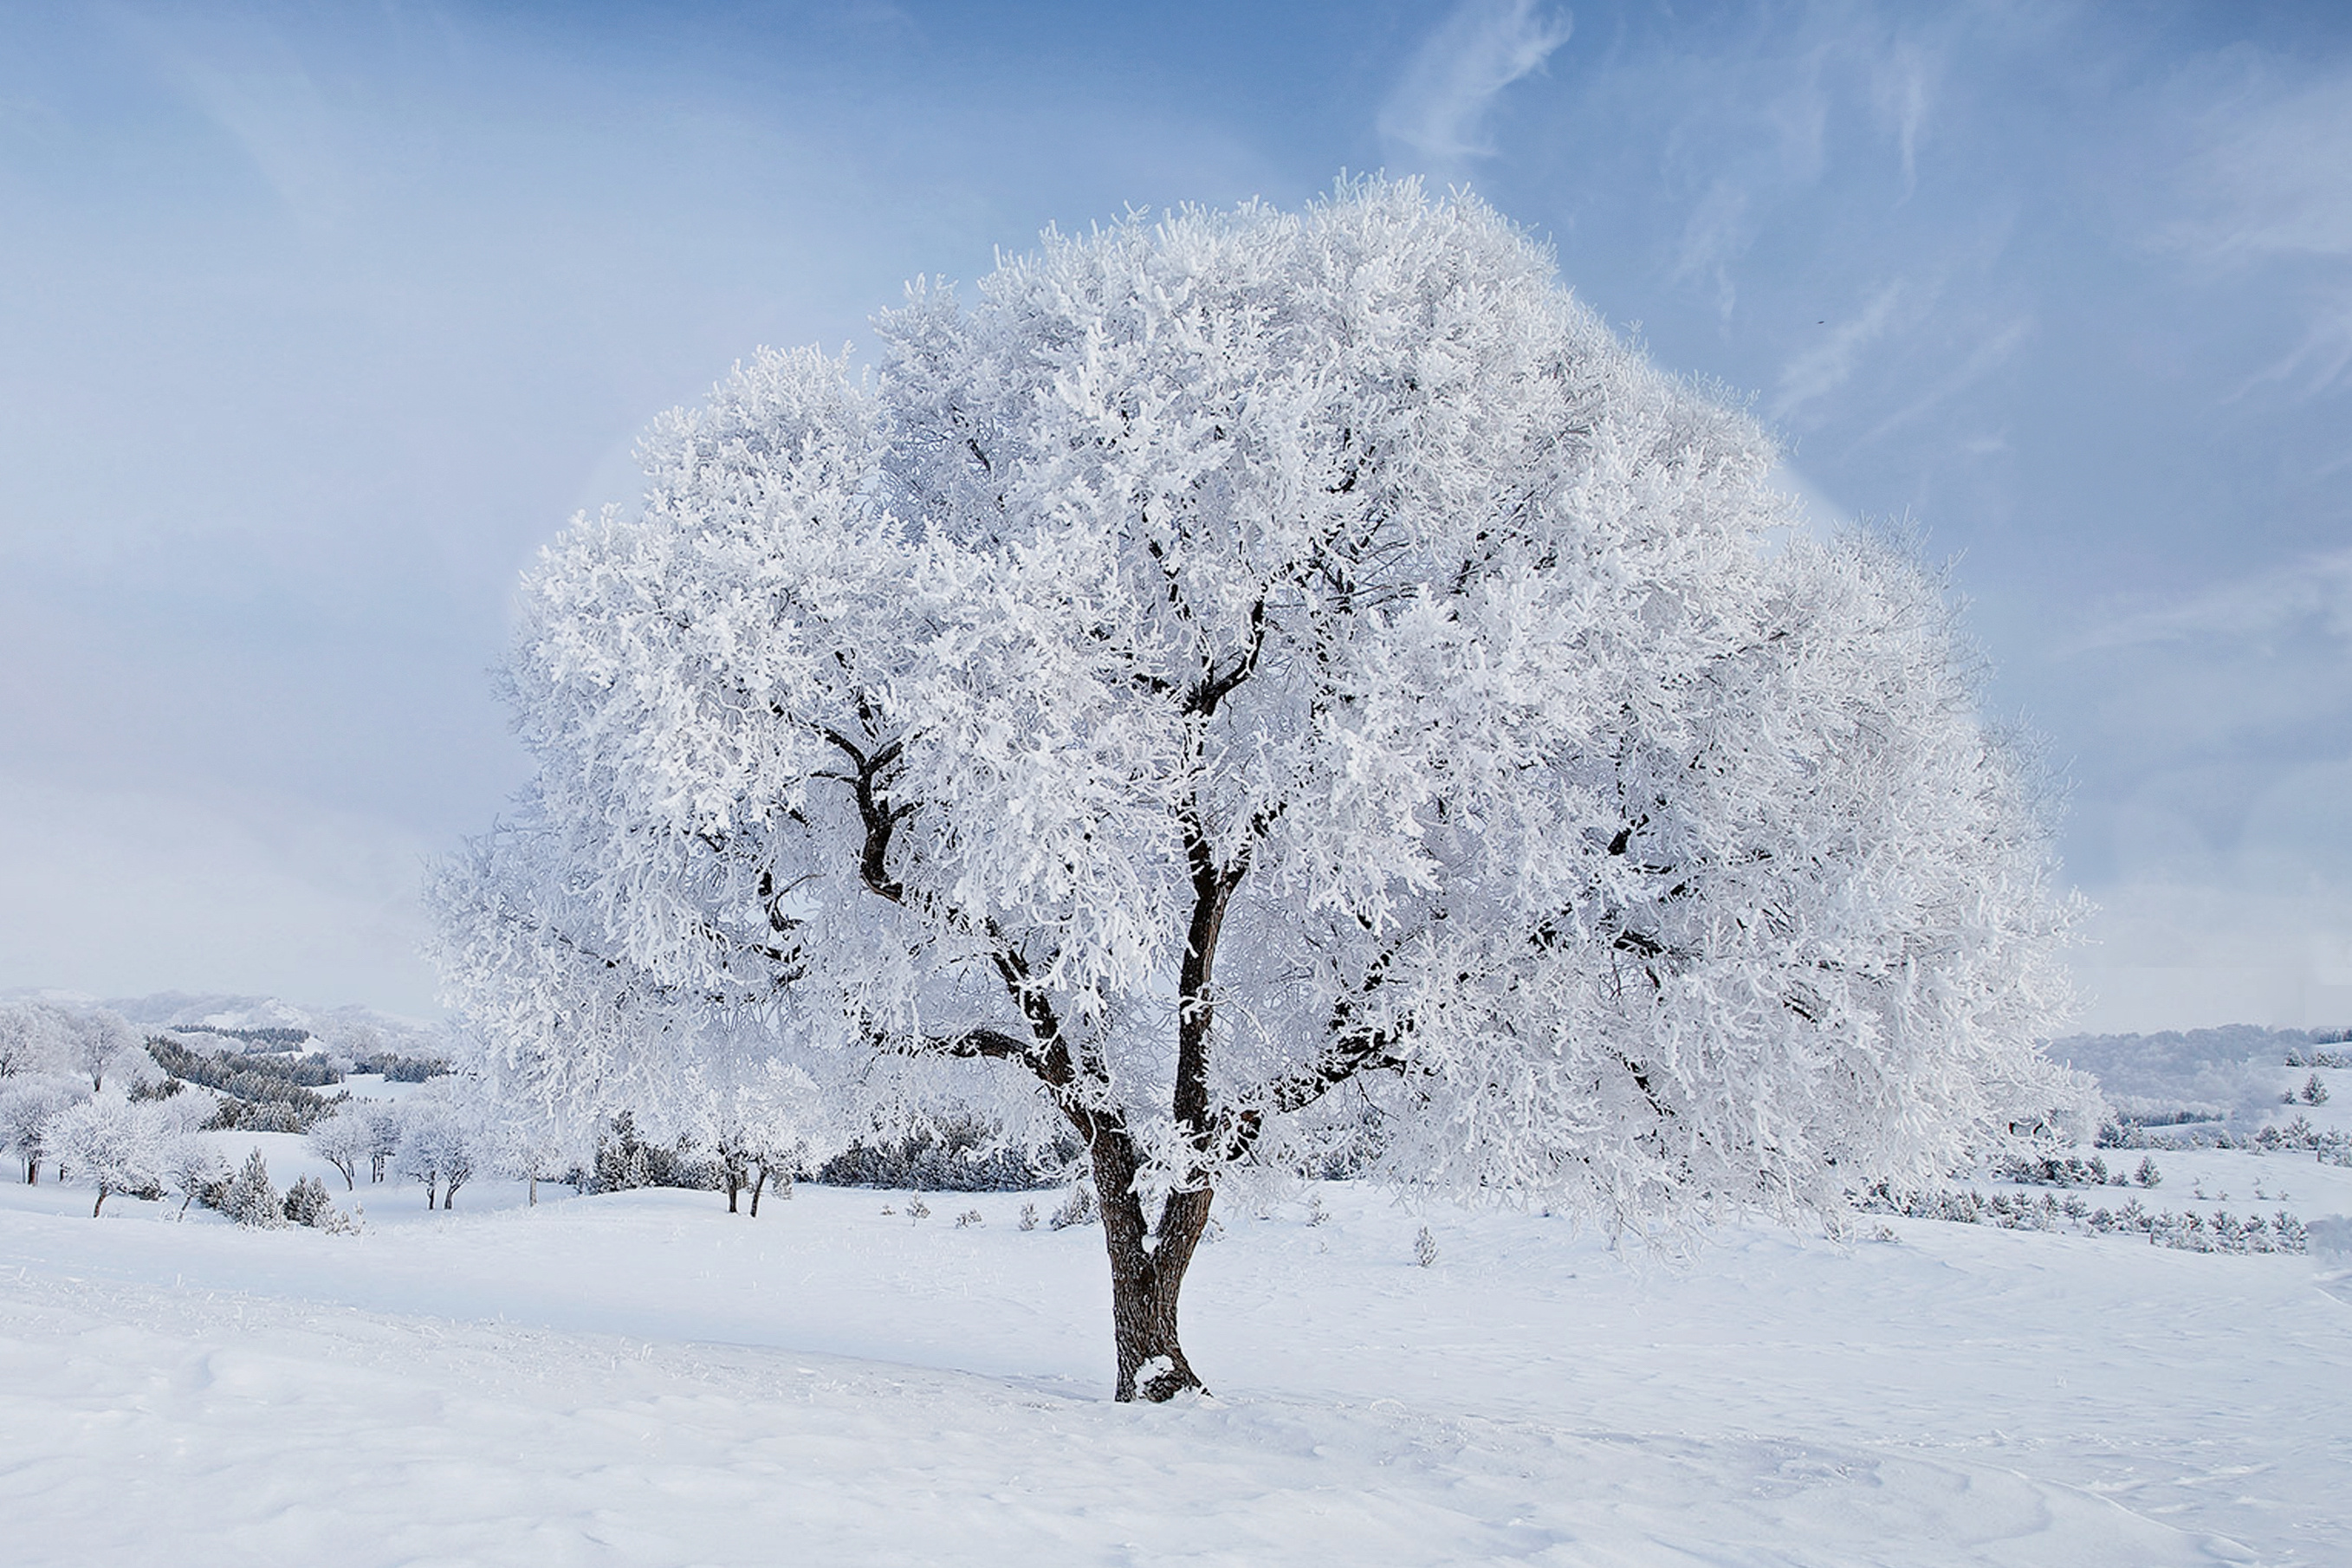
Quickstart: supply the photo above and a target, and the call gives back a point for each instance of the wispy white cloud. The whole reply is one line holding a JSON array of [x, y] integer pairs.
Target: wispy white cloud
[[1995, 349], [2274, 179], [1902, 85], [1438, 112], [2269, 183], [1718, 232], [244, 76], [1822, 369], [2251, 609], [2321, 358]]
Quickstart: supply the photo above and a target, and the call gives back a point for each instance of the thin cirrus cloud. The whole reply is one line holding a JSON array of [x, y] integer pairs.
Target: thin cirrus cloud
[[2271, 186], [2313, 593], [1439, 111], [1903, 89], [2274, 177], [1821, 370]]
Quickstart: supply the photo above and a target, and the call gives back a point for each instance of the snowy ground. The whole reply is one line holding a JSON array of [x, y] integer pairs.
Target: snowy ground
[[643, 1379]]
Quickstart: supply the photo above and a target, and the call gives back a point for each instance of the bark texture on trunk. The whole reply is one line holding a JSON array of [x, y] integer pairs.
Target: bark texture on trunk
[[1147, 1276]]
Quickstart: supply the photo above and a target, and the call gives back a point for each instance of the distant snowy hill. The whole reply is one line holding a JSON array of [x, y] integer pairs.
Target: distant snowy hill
[[2230, 1072], [190, 1012]]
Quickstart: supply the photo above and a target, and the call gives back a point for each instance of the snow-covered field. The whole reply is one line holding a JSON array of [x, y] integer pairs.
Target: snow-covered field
[[643, 1379]]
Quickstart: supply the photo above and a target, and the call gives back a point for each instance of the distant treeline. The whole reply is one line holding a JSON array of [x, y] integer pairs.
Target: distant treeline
[[276, 1039], [246, 1077], [267, 1093], [312, 1072], [397, 1069]]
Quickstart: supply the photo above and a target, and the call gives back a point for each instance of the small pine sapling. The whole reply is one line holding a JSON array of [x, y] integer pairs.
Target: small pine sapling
[[2314, 1091], [1424, 1248], [251, 1200], [969, 1218], [306, 1202], [1079, 1208], [917, 1209], [1028, 1217], [2147, 1176]]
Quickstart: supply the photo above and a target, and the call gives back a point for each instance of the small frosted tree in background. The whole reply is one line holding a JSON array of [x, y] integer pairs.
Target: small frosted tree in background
[[103, 1044], [345, 1140], [440, 1145], [384, 1124], [111, 1145], [192, 1166], [27, 1105], [33, 1036], [1244, 674]]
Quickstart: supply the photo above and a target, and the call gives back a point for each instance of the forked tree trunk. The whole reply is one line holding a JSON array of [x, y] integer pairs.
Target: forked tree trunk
[[1147, 1275]]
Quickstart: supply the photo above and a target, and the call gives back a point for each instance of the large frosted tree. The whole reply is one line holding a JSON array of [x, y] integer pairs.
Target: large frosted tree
[[1254, 674]]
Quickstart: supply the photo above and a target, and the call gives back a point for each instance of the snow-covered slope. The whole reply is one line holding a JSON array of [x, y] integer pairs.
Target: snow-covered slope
[[224, 1010], [2231, 1072], [643, 1379]]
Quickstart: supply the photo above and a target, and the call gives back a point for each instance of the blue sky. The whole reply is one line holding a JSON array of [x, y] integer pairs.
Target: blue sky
[[315, 321]]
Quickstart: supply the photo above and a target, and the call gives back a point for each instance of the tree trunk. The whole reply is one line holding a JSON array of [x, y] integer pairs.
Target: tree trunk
[[1147, 1272], [756, 1186], [431, 1188], [734, 1185], [32, 1172], [99, 1205]]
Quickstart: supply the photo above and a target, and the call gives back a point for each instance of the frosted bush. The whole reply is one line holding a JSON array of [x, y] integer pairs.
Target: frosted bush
[[1079, 1208]]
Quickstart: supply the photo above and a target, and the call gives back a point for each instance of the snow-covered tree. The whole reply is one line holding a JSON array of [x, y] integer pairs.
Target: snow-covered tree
[[763, 1118], [251, 1198], [345, 1140], [1249, 677], [384, 1125], [28, 1104], [307, 1203], [102, 1043], [438, 1146], [113, 1144], [32, 1038], [189, 1165]]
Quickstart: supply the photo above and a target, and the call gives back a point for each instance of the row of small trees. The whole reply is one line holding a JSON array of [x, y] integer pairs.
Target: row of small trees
[[41, 1039], [147, 1146]]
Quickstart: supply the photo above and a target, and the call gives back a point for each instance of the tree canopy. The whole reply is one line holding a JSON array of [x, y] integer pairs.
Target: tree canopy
[[1253, 674]]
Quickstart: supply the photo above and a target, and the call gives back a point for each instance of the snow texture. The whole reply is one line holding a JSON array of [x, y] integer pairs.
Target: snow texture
[[643, 1379]]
